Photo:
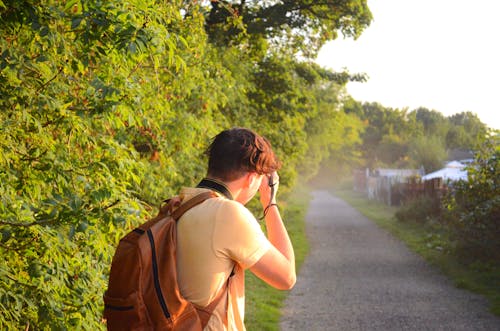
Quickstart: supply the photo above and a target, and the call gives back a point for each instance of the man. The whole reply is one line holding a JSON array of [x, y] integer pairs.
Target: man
[[221, 238]]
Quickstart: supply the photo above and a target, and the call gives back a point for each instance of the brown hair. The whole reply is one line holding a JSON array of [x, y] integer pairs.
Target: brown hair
[[236, 151]]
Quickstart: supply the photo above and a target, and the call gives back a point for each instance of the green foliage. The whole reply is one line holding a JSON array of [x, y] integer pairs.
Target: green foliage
[[106, 109], [108, 105], [429, 152], [457, 137], [419, 210], [433, 122], [422, 137], [466, 132], [90, 93], [392, 150], [387, 133], [332, 135], [474, 207], [291, 26]]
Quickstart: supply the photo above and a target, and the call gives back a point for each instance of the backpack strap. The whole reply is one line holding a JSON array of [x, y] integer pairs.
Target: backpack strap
[[206, 312], [177, 213], [203, 312]]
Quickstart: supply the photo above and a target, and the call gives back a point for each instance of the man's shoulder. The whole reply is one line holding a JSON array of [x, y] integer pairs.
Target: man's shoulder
[[234, 212], [231, 205]]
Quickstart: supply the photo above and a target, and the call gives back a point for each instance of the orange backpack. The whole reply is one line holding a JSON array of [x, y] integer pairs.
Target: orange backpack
[[143, 293]]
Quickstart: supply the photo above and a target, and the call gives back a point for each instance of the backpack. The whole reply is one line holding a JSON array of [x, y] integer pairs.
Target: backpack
[[143, 293]]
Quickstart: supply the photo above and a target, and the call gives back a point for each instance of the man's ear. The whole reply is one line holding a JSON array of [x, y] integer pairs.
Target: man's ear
[[250, 178]]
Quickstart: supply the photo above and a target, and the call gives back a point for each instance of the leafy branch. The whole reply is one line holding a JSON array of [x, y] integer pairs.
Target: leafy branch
[[41, 88], [28, 224]]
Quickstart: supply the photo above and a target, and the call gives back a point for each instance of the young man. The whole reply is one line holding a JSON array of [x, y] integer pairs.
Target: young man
[[218, 239]]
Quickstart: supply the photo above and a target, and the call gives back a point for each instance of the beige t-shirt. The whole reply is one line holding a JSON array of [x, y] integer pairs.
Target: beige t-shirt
[[211, 237]]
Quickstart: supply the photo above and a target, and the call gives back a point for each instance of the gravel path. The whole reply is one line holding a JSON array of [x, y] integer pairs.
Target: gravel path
[[359, 277]]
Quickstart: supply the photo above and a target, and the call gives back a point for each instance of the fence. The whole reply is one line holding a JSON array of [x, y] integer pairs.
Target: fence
[[397, 190]]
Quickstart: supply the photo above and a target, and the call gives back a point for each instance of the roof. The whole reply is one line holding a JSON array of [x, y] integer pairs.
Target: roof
[[455, 164], [399, 172], [453, 171]]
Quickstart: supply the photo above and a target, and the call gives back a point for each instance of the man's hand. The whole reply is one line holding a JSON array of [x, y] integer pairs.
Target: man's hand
[[268, 189]]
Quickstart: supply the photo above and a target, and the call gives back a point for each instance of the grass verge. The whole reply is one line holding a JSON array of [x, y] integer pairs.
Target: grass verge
[[264, 303], [434, 244]]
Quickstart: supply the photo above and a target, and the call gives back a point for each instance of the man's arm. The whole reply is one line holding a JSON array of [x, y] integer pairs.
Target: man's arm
[[277, 266]]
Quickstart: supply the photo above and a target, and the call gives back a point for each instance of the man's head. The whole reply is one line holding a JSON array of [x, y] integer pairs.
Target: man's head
[[238, 151]]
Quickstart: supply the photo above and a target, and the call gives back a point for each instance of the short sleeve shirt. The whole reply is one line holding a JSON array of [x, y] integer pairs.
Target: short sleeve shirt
[[214, 238]]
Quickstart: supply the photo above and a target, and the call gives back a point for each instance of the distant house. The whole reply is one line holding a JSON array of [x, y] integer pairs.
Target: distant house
[[395, 186], [380, 183], [399, 175], [453, 171]]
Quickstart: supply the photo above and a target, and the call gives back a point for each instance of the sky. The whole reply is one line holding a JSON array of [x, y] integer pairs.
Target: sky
[[443, 55]]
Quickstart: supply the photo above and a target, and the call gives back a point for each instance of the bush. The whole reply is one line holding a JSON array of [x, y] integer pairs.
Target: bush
[[473, 208], [419, 210]]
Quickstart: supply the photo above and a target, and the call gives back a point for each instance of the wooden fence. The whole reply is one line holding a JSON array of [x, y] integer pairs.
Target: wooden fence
[[395, 191]]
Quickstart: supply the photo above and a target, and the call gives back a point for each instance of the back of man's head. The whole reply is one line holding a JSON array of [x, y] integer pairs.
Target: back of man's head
[[237, 151]]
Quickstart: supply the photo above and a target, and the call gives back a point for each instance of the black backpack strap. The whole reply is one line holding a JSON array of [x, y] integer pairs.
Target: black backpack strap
[[176, 214]]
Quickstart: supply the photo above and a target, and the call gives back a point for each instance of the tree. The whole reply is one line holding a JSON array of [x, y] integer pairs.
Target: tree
[[106, 107], [458, 138], [466, 132], [94, 96], [429, 152], [332, 135], [300, 25], [392, 151], [433, 122], [473, 207], [385, 127]]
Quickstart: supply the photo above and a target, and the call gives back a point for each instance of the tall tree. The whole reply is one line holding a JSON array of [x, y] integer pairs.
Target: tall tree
[[428, 152], [387, 132], [303, 25], [473, 210], [106, 106], [332, 135], [466, 131], [433, 122], [94, 97]]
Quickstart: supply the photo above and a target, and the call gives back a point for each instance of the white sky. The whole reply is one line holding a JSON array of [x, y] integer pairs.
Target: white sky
[[439, 54]]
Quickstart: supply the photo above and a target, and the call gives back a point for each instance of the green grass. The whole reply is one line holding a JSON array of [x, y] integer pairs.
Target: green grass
[[264, 303], [433, 243]]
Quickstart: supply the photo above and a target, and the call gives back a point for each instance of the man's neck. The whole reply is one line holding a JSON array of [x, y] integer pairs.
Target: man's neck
[[218, 186]]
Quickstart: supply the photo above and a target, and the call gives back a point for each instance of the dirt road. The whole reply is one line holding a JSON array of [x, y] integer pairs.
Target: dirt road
[[358, 277]]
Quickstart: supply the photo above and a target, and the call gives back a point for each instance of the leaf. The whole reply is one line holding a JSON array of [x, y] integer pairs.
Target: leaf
[[69, 4], [44, 31], [75, 22], [132, 48]]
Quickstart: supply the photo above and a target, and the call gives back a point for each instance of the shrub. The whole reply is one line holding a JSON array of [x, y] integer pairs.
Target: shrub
[[419, 210], [473, 208]]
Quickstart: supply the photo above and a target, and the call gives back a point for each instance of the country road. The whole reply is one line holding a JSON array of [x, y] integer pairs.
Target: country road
[[359, 277]]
